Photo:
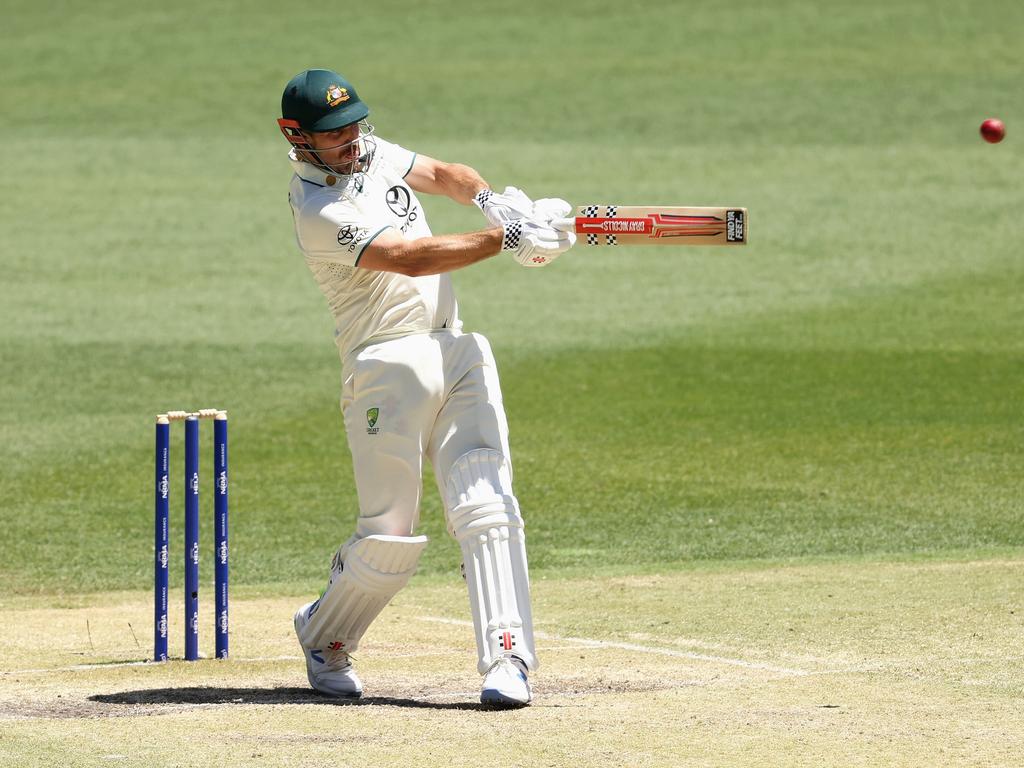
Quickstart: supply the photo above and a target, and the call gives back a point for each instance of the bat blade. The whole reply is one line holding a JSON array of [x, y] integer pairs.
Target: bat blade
[[657, 225]]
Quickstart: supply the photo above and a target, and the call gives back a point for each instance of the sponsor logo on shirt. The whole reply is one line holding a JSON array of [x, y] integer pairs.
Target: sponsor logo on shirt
[[351, 236], [399, 200], [372, 415], [346, 234]]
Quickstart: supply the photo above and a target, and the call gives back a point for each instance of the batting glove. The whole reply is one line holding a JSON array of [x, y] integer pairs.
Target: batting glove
[[549, 208], [535, 243], [500, 208]]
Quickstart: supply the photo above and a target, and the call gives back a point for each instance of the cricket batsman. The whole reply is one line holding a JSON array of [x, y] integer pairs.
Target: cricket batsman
[[414, 385]]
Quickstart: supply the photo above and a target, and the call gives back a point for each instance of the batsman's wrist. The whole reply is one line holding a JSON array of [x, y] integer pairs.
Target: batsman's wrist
[[481, 198], [511, 235]]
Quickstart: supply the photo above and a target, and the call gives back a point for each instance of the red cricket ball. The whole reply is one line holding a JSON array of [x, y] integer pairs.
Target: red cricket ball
[[993, 130]]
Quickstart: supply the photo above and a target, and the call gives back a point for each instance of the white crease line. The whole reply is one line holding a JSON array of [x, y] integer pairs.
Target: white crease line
[[147, 663], [588, 643], [577, 642]]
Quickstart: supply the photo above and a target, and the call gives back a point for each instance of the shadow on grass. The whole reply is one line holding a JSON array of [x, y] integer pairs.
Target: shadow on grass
[[283, 695]]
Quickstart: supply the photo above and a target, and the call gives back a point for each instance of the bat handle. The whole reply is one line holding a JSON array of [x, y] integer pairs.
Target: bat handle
[[564, 225]]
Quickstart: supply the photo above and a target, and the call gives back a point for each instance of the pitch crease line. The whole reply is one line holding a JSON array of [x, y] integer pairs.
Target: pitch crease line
[[590, 643], [145, 663]]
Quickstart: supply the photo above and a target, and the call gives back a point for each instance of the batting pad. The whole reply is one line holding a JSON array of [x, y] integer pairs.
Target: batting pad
[[484, 517], [372, 571]]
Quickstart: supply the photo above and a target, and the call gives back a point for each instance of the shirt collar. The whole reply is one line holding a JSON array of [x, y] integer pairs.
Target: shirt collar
[[311, 173]]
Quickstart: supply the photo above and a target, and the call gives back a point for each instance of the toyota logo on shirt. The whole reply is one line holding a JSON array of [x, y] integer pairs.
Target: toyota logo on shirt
[[398, 200], [346, 235]]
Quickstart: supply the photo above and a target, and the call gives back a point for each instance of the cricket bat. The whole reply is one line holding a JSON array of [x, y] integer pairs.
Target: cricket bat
[[656, 225]]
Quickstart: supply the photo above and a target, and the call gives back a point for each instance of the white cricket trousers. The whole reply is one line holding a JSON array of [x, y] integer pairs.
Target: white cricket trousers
[[429, 394]]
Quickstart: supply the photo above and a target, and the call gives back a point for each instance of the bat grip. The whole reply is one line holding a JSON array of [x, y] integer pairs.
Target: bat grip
[[564, 225]]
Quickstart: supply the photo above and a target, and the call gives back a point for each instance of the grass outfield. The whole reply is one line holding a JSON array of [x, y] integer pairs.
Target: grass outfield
[[844, 391]]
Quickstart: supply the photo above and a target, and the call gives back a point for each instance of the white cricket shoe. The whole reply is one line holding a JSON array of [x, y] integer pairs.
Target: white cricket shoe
[[329, 672], [505, 683]]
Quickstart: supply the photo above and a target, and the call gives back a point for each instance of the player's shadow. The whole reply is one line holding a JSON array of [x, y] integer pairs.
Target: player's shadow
[[283, 695]]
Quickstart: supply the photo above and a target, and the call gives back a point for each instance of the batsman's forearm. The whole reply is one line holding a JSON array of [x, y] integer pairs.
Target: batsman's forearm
[[460, 182], [442, 253]]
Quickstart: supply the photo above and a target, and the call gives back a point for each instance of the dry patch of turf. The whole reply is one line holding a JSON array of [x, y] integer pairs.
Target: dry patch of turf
[[866, 664]]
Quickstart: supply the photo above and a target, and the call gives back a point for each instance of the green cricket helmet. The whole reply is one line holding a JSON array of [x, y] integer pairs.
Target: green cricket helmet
[[319, 100]]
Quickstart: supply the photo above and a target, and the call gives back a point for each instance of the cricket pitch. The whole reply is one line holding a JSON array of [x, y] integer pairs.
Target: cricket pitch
[[865, 663]]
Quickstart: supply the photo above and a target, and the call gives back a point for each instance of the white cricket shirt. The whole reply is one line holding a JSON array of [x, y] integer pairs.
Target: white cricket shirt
[[336, 218]]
